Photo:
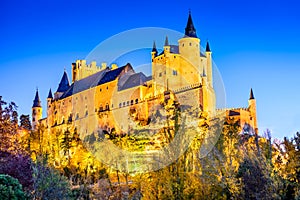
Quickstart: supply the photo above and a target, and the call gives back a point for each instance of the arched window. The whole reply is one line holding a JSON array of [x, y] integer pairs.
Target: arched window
[[106, 106], [136, 101]]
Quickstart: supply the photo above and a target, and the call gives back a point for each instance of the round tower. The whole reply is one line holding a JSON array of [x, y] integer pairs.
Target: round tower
[[36, 111], [209, 65], [252, 110], [189, 45]]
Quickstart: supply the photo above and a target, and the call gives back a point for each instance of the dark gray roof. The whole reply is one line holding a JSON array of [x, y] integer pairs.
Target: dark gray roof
[[154, 48], [36, 101], [148, 78], [190, 30], [234, 113], [98, 78], [50, 96], [251, 94], [166, 41], [133, 81], [64, 83], [174, 49], [207, 49]]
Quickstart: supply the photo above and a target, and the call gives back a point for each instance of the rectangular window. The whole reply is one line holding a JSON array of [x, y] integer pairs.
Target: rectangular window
[[174, 72]]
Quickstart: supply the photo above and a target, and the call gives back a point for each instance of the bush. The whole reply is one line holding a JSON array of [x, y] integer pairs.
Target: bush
[[49, 183], [10, 188]]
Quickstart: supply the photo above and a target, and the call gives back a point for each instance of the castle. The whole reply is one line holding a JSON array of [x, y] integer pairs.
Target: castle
[[103, 96]]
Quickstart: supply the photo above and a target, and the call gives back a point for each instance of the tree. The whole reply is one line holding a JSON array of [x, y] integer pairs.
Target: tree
[[48, 183], [14, 160], [66, 144], [25, 122], [10, 188]]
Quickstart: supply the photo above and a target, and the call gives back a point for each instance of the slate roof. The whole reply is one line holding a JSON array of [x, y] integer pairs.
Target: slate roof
[[174, 49], [50, 96], [36, 101], [133, 81], [251, 94], [190, 30], [64, 83], [207, 49], [98, 78], [234, 113]]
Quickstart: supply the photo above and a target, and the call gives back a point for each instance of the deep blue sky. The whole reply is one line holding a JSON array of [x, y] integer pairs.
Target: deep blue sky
[[254, 43]]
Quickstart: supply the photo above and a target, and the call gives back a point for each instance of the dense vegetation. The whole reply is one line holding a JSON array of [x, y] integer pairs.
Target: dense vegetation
[[42, 165]]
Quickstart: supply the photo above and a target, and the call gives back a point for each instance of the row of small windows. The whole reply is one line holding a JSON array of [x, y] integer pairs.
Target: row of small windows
[[101, 88], [189, 44], [174, 72], [136, 101], [106, 108]]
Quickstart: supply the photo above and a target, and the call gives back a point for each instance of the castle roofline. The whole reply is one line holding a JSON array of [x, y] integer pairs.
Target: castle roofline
[[99, 78]]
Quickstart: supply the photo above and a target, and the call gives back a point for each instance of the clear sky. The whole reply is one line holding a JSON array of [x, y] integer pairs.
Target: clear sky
[[254, 43]]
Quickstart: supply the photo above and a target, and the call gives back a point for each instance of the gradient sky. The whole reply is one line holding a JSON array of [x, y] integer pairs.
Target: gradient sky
[[254, 43]]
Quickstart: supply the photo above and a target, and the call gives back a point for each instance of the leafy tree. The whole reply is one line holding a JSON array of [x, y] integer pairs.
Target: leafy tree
[[25, 122], [19, 167], [48, 183], [10, 188], [14, 161], [8, 125]]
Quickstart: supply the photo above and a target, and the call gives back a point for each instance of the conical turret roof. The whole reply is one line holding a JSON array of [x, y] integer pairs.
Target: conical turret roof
[[36, 101], [64, 83]]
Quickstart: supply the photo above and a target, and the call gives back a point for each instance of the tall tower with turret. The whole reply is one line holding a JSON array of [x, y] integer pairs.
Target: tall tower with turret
[[180, 67], [36, 111], [252, 109]]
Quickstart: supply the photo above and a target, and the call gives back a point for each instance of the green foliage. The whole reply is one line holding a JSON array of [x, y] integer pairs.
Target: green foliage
[[25, 122], [10, 188], [48, 182]]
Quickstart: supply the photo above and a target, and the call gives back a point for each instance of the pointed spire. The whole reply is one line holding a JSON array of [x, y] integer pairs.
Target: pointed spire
[[36, 101], [251, 94], [64, 83], [50, 96], [207, 47], [154, 47], [190, 30], [167, 41]]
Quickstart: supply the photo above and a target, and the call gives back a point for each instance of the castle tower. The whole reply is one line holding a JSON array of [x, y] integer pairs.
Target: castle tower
[[36, 111], [154, 51], [189, 45], [209, 65], [63, 86], [252, 109]]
